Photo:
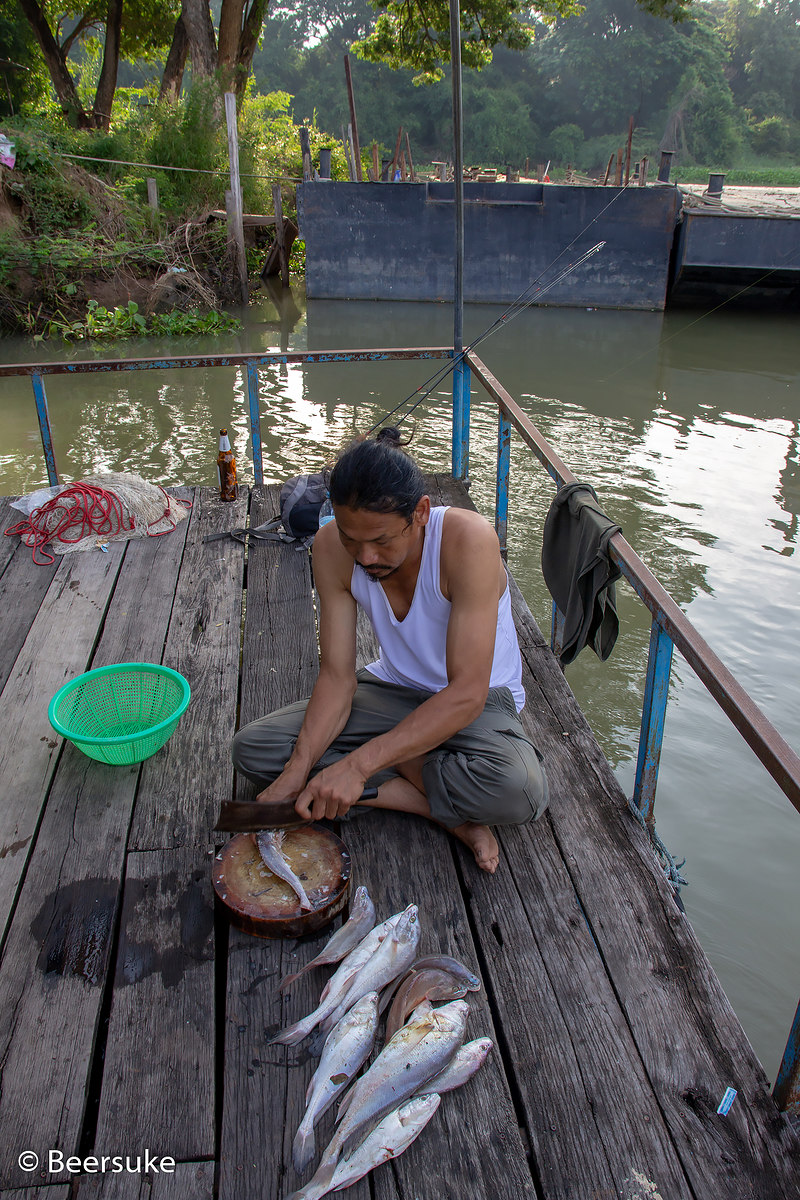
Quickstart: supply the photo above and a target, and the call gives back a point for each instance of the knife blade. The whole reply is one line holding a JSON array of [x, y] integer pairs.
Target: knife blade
[[249, 816]]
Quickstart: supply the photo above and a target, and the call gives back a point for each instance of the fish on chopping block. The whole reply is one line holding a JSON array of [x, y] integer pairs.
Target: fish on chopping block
[[354, 930], [270, 847], [347, 1048], [390, 1137]]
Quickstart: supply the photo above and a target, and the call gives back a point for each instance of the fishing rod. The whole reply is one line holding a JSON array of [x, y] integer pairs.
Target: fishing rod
[[514, 309], [525, 299]]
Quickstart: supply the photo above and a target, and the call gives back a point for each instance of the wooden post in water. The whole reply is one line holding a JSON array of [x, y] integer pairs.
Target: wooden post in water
[[235, 213], [152, 193], [376, 169], [353, 122], [608, 168], [280, 234]]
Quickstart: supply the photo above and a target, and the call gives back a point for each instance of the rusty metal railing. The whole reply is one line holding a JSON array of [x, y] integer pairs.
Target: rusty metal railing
[[670, 628]]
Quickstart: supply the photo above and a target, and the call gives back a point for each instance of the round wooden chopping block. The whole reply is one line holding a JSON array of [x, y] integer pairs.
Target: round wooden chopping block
[[261, 903]]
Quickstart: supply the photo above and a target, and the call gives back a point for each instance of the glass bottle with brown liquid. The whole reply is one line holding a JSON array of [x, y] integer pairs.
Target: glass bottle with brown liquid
[[226, 468]]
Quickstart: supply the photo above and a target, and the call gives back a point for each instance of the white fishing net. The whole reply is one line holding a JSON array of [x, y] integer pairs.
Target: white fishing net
[[97, 510]]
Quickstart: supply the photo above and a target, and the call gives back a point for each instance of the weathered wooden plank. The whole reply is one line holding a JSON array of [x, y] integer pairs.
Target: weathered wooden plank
[[690, 1041], [472, 1147], [57, 648], [189, 1181], [56, 959], [180, 793], [23, 586], [279, 656], [8, 545], [108, 1186], [184, 1181], [158, 1079], [262, 1100], [56, 1191], [576, 1065], [58, 949]]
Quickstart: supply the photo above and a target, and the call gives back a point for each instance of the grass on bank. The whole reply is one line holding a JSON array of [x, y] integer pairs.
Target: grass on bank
[[70, 227]]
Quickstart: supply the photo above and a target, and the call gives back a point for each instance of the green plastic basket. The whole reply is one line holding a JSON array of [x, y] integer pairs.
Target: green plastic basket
[[120, 714]]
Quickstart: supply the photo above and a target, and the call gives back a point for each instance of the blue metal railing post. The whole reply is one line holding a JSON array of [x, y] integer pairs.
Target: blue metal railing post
[[461, 402], [255, 422], [654, 708], [44, 427], [786, 1091], [503, 474]]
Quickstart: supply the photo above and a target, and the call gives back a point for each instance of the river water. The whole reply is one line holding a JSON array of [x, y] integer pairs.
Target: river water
[[687, 425]]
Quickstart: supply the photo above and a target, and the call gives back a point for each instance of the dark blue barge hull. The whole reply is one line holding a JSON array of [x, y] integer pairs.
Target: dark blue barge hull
[[396, 242], [723, 251]]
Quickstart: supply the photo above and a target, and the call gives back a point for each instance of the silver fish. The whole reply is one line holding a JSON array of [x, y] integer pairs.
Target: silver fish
[[270, 842], [366, 947], [354, 930], [390, 1137], [346, 1050], [462, 1066], [424, 1009], [338, 984], [415, 1054], [395, 955]]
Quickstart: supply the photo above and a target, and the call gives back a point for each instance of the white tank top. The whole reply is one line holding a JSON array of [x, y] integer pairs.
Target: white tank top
[[413, 651]]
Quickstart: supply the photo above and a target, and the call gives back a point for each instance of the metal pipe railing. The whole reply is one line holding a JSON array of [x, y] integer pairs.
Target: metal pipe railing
[[772, 750], [670, 627]]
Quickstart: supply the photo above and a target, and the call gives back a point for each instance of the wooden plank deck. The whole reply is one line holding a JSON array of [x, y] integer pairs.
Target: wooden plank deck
[[133, 1018]]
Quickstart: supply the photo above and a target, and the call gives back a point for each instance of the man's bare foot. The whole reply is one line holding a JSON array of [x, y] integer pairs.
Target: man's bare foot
[[482, 843]]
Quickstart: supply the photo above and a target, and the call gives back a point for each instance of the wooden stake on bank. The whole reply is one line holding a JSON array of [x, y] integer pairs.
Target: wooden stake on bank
[[235, 211], [353, 122], [280, 234]]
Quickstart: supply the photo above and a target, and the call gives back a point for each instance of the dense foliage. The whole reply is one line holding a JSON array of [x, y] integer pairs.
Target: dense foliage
[[719, 84], [721, 87]]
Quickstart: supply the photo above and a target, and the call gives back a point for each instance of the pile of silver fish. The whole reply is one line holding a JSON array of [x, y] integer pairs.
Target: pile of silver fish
[[424, 1053]]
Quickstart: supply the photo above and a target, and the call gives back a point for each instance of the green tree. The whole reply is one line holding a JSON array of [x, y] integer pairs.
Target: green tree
[[22, 75], [416, 34], [769, 83], [60, 31]]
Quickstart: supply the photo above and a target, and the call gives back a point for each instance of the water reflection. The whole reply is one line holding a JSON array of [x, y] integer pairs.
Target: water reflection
[[688, 429]]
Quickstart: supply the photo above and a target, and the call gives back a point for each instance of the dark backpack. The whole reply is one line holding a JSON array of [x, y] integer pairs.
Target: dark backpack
[[301, 499]]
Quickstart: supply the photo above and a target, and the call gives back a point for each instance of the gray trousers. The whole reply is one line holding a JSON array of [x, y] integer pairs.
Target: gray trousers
[[489, 772]]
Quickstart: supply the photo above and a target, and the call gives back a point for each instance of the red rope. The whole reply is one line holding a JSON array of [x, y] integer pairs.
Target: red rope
[[91, 510]]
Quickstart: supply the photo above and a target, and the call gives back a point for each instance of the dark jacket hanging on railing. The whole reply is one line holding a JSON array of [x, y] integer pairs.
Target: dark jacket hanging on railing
[[578, 571]]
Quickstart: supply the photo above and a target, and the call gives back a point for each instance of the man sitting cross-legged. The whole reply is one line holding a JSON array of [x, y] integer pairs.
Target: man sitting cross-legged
[[434, 722]]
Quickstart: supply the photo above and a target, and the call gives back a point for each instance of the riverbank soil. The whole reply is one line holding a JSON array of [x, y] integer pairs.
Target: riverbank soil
[[68, 237]]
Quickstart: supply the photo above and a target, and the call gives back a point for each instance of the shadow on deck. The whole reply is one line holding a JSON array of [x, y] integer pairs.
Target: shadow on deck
[[133, 1018]]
